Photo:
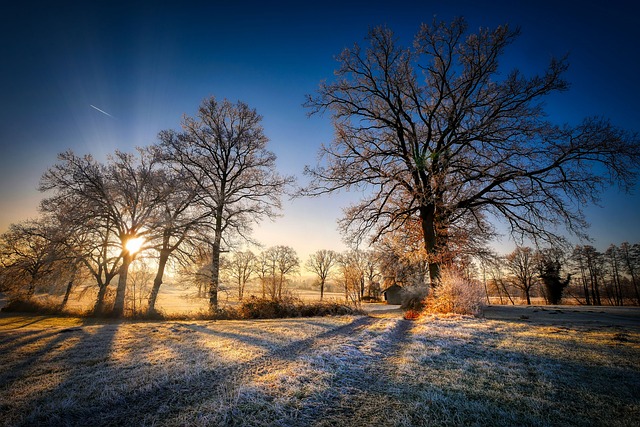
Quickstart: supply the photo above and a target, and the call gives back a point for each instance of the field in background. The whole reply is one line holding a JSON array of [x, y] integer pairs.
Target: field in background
[[519, 366], [177, 300]]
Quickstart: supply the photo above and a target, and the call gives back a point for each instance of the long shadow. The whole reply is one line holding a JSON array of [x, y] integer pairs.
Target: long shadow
[[75, 361], [30, 320], [252, 340], [171, 396], [371, 382], [11, 343], [14, 372], [560, 378], [395, 392], [255, 339]]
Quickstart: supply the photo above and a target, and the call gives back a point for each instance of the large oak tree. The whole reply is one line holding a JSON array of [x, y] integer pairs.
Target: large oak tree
[[439, 133]]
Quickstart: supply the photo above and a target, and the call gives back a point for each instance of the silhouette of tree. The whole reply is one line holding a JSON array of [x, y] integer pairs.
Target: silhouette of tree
[[27, 256], [178, 225], [522, 266], [438, 133], [631, 261], [118, 199], [550, 266]]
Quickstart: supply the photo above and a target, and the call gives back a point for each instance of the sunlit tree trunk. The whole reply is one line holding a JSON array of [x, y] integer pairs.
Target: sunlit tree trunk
[[121, 290], [67, 291], [98, 307], [157, 281], [427, 216]]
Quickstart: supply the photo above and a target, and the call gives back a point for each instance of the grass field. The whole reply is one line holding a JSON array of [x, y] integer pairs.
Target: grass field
[[527, 367]]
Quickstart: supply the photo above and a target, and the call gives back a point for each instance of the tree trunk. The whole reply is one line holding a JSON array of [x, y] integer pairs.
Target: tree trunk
[[67, 292], [321, 289], [98, 307], [215, 274], [428, 222], [118, 306], [31, 289], [157, 281]]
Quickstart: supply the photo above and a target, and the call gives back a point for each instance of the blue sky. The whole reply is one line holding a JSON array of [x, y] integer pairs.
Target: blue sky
[[148, 63]]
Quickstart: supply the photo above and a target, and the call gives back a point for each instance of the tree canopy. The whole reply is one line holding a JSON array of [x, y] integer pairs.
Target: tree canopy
[[436, 132]]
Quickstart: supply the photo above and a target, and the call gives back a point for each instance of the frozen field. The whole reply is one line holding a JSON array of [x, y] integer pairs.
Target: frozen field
[[510, 368]]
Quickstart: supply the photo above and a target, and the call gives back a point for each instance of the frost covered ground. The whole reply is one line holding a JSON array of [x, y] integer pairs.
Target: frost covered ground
[[507, 369]]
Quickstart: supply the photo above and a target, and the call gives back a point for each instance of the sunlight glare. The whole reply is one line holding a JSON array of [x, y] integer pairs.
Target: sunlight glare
[[134, 245]]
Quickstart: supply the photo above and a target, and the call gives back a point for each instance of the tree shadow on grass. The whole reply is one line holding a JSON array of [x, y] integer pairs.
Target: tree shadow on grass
[[91, 349], [167, 397], [23, 321], [254, 336], [523, 385], [15, 340]]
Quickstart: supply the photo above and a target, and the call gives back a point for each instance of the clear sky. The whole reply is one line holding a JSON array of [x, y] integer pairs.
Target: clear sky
[[96, 76]]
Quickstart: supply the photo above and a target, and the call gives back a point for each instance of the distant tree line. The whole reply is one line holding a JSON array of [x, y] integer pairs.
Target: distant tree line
[[582, 275]]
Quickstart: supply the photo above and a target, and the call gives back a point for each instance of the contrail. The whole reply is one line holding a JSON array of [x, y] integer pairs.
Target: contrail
[[102, 111]]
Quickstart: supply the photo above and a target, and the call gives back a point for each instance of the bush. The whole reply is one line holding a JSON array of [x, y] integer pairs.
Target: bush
[[260, 308], [413, 298], [457, 295], [21, 305]]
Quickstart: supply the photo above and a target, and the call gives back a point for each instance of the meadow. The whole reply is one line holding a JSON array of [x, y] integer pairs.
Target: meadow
[[523, 366]]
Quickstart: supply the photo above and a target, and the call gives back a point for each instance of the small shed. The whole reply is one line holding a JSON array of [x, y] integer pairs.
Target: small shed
[[392, 294]]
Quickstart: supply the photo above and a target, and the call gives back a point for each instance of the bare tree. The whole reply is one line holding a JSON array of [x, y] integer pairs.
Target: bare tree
[[282, 261], [372, 274], [497, 278], [241, 268], [196, 271], [590, 266], [140, 283], [434, 133], [119, 198], [521, 264], [266, 271], [320, 263], [351, 267], [223, 150], [27, 256], [178, 223], [631, 260], [613, 260]]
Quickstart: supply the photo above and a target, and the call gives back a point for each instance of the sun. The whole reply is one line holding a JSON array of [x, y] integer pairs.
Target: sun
[[134, 245]]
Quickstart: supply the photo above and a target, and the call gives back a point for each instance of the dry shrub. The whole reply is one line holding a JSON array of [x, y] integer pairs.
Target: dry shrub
[[260, 308], [456, 294], [327, 309], [413, 298], [40, 306], [411, 315], [251, 308]]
